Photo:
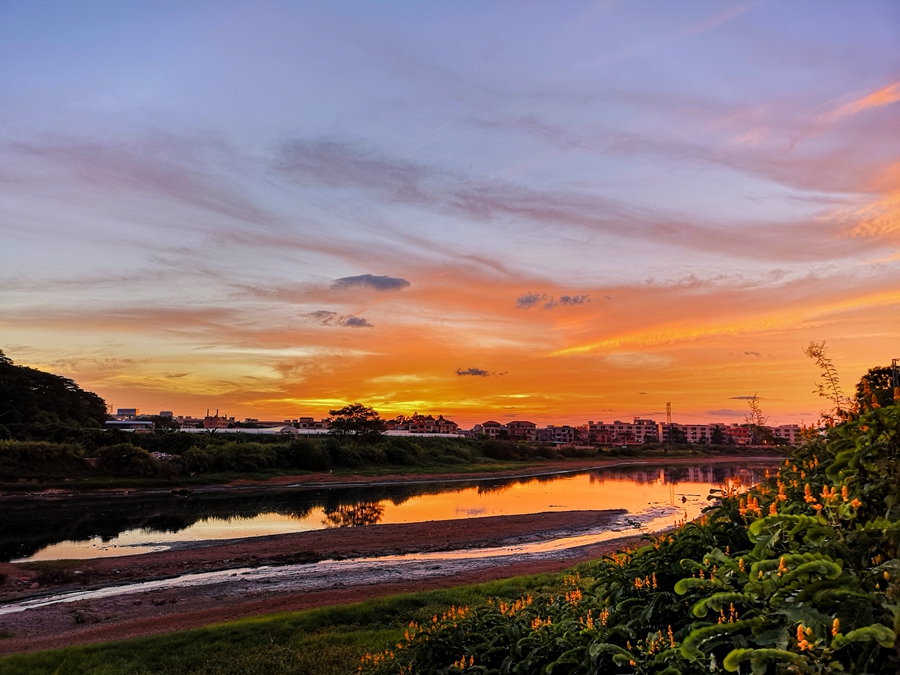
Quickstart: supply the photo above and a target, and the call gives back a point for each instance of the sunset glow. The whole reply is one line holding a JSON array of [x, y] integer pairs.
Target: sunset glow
[[557, 212]]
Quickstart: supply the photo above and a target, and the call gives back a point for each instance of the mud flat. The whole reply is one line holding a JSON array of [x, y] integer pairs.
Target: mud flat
[[209, 582]]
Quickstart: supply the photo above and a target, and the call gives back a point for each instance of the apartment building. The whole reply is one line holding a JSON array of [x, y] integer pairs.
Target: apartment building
[[490, 429], [521, 430], [789, 432], [627, 433]]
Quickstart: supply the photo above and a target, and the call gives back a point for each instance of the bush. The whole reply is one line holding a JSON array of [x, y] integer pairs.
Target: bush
[[800, 574], [126, 459], [503, 450], [303, 453], [402, 451], [343, 455], [578, 453], [39, 459]]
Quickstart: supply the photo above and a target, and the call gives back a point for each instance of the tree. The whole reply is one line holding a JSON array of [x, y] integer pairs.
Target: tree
[[677, 436], [31, 396], [717, 437], [875, 387], [362, 423]]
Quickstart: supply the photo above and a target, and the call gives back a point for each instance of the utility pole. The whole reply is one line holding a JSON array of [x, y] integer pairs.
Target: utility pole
[[669, 421], [895, 379]]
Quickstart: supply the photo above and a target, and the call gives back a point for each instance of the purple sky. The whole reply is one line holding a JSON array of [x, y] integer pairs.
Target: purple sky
[[278, 207]]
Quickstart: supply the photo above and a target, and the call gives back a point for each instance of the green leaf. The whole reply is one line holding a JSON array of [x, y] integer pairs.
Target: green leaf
[[759, 658], [883, 635]]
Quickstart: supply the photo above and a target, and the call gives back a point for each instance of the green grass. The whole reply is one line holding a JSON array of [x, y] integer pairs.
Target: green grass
[[326, 641]]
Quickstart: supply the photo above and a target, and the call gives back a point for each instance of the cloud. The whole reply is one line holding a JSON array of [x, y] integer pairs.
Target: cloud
[[477, 372], [323, 317], [356, 322], [327, 318], [346, 164], [743, 398], [529, 300], [752, 353], [378, 283], [574, 299], [724, 412], [881, 97]]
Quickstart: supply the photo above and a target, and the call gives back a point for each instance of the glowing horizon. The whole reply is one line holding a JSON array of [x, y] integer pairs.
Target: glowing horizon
[[563, 213]]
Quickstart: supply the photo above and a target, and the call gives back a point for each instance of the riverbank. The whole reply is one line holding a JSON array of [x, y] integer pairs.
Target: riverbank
[[166, 609], [264, 574], [395, 476]]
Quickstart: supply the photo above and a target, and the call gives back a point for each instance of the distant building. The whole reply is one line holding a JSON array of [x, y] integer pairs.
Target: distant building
[[127, 413], [789, 432], [562, 434], [634, 433], [692, 433], [521, 430], [490, 428], [427, 424], [131, 424]]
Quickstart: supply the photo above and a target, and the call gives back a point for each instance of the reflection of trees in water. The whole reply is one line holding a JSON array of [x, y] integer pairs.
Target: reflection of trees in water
[[355, 515], [29, 525]]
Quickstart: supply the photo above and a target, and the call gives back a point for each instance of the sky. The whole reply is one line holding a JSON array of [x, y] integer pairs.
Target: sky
[[550, 211]]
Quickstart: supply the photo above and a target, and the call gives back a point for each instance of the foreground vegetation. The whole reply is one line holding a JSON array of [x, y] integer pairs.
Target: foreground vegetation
[[328, 641], [799, 575]]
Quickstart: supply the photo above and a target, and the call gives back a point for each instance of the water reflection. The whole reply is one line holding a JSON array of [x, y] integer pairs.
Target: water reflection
[[103, 526], [356, 515]]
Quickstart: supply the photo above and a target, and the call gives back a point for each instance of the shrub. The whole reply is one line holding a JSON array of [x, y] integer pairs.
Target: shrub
[[343, 455], [495, 449], [402, 451], [800, 574], [40, 459], [127, 459]]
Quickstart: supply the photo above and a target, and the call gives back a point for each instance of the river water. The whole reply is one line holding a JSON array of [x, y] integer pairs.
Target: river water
[[48, 529]]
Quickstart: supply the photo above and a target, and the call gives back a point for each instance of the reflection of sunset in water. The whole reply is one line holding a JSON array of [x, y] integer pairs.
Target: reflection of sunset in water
[[655, 496]]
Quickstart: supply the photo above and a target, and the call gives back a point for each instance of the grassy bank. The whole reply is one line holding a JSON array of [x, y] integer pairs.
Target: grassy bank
[[328, 641], [86, 459]]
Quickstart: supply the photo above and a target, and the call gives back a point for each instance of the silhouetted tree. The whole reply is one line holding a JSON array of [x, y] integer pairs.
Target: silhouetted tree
[[358, 421], [31, 396]]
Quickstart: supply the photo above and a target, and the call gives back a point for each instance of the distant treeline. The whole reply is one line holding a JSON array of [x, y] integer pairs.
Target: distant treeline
[[56, 452]]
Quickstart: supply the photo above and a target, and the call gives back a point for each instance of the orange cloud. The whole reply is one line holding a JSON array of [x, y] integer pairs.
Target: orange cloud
[[877, 99]]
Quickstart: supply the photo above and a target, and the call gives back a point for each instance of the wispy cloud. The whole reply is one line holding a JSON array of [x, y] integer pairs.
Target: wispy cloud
[[329, 318], [877, 99]]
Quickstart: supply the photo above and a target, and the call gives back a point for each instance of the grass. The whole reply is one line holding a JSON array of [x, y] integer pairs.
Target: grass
[[325, 641]]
